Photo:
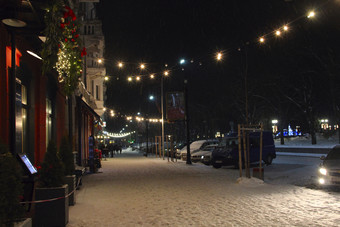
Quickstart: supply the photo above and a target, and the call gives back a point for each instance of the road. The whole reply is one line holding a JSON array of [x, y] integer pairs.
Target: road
[[293, 169]]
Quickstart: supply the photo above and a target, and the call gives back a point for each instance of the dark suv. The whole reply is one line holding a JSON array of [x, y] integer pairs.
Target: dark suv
[[227, 152]]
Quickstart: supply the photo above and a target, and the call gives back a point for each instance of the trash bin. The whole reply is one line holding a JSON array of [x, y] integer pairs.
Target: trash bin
[[258, 173]]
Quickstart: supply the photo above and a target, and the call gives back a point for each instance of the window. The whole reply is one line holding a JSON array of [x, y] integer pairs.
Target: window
[[85, 30], [48, 121], [97, 92], [24, 118], [92, 87]]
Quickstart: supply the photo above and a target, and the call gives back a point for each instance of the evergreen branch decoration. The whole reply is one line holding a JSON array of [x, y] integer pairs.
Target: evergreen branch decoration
[[62, 50]]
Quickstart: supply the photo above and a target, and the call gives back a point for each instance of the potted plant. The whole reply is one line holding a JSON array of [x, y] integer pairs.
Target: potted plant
[[11, 189], [67, 158], [53, 211]]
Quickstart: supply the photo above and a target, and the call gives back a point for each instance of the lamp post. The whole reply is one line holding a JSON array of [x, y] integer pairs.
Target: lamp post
[[147, 121], [162, 111], [182, 62]]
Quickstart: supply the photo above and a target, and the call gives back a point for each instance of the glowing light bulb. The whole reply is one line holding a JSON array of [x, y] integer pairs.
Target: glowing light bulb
[[100, 61], [285, 28], [152, 76], [278, 33], [311, 14], [138, 78], [120, 64], [142, 66], [129, 78], [261, 40], [219, 56], [166, 73]]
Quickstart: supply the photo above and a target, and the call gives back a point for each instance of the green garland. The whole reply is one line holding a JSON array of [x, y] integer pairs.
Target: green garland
[[61, 50]]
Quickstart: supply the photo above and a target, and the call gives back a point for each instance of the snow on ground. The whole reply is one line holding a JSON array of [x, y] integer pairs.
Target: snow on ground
[[306, 142], [132, 190]]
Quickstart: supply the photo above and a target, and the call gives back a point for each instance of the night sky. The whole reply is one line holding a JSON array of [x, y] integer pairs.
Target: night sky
[[164, 31]]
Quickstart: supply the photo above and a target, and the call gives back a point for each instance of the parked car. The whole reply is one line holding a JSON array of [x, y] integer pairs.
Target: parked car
[[195, 146], [329, 171], [227, 153], [204, 155], [180, 148]]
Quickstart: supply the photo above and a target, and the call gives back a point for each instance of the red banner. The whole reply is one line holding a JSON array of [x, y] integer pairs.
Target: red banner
[[175, 106]]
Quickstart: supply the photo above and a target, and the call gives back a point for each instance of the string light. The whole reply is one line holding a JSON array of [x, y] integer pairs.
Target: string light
[[219, 56], [311, 14]]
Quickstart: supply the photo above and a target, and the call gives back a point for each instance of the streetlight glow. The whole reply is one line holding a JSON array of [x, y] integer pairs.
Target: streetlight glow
[[278, 33], [152, 76], [285, 28], [138, 78], [151, 97], [142, 66], [182, 61], [166, 73], [261, 39], [120, 64], [130, 78], [106, 78]]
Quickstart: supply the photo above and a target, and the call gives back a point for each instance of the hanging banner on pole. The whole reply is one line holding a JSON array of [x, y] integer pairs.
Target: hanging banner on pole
[[175, 106]]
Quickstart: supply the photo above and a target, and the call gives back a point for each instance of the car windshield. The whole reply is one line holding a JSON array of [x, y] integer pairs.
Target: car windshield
[[228, 142], [334, 154], [209, 148]]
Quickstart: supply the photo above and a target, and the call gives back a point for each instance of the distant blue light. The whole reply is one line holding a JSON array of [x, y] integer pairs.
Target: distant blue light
[[151, 97], [182, 61]]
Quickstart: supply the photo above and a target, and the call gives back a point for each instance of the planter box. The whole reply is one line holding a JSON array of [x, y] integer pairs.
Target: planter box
[[51, 213], [71, 182]]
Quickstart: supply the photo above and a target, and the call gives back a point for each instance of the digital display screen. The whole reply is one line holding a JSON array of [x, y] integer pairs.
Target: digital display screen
[[28, 163]]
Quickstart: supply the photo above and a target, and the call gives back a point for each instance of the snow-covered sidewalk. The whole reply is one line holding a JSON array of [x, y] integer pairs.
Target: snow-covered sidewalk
[[131, 190]]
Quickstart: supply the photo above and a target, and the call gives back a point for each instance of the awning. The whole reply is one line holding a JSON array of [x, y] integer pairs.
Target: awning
[[87, 108]]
